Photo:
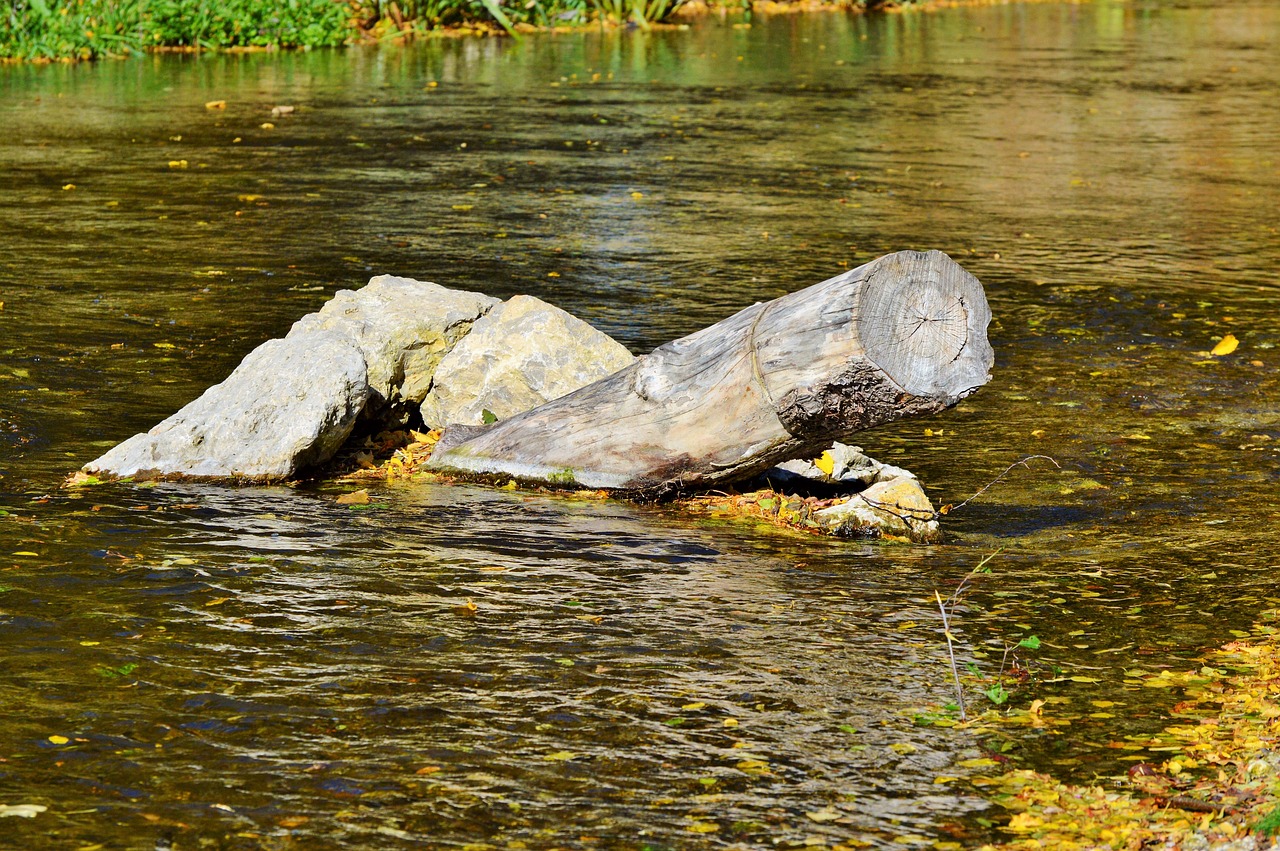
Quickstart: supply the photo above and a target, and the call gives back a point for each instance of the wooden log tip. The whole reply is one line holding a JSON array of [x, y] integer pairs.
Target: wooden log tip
[[922, 320]]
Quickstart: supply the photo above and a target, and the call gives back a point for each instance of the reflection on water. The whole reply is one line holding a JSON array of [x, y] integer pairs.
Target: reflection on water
[[264, 668]]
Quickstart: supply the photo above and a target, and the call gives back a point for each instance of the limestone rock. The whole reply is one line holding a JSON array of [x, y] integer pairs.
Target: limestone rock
[[894, 506], [403, 328], [849, 466], [521, 354], [289, 404]]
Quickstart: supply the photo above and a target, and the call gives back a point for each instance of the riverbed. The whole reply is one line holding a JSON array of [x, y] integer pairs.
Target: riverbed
[[453, 666]]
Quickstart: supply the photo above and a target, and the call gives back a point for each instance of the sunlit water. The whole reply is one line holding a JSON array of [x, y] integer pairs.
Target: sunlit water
[[264, 668]]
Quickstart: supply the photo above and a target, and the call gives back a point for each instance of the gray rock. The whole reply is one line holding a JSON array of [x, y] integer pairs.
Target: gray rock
[[849, 466], [291, 403], [403, 328], [894, 506], [521, 354]]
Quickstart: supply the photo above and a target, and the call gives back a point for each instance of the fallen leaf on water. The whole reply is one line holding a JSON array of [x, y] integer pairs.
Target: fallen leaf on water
[[561, 756], [1226, 345], [637, 195], [428, 769], [217, 601], [466, 610], [360, 497], [825, 814], [693, 707], [21, 810], [215, 104], [290, 821], [704, 827]]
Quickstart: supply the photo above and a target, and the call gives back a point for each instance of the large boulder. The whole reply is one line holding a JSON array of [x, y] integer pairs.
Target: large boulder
[[521, 354], [290, 404], [403, 328]]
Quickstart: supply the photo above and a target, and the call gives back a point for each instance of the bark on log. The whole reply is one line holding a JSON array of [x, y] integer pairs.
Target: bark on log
[[902, 335]]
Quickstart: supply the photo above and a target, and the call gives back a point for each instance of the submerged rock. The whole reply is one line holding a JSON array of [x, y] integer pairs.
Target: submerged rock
[[521, 354], [291, 403], [403, 328]]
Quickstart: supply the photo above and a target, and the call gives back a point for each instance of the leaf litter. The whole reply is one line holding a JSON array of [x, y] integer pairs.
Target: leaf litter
[[1213, 775]]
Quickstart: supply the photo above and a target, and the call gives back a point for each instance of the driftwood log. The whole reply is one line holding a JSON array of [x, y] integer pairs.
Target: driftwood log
[[902, 335]]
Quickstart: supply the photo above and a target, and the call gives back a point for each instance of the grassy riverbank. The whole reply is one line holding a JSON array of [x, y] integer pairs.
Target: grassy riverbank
[[69, 30]]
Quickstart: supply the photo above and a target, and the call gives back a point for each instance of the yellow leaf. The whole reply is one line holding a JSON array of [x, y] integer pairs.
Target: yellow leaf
[[59, 740], [980, 762], [360, 497], [561, 756], [177, 163], [464, 207], [693, 707], [217, 601], [1023, 822], [1085, 680], [267, 125], [26, 553], [944, 779], [215, 104], [164, 345], [637, 195], [248, 199], [68, 186], [1226, 346], [826, 463], [822, 815], [704, 827]]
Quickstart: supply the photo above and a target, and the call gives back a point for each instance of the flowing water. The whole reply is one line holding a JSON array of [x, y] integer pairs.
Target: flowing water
[[218, 667]]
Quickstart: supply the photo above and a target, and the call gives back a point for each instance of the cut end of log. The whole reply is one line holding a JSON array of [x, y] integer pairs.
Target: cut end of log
[[922, 320]]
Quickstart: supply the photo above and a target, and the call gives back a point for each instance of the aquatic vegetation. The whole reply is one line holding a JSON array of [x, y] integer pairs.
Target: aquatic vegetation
[[1211, 776]]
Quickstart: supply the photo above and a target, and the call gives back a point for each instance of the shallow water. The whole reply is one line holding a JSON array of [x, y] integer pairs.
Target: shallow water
[[263, 668]]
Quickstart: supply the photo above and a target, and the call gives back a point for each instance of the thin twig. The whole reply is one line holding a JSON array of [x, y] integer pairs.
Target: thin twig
[[1022, 462], [955, 672]]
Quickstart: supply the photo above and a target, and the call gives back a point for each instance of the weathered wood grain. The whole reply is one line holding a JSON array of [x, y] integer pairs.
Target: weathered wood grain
[[902, 335]]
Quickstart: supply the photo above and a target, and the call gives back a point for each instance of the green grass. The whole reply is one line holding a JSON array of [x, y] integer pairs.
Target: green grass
[[48, 30], [36, 30]]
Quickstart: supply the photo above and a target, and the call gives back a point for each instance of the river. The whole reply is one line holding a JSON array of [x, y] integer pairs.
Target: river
[[217, 667]]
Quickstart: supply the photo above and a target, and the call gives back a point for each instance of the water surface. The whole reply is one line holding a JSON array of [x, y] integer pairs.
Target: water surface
[[264, 668]]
